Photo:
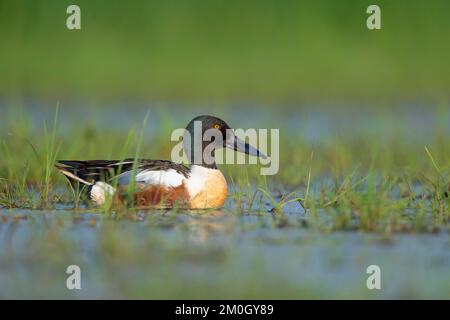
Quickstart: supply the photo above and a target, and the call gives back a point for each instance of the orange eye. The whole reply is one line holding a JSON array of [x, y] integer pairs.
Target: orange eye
[[216, 126]]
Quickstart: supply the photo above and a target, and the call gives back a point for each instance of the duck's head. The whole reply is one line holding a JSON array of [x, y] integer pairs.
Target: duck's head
[[208, 133]]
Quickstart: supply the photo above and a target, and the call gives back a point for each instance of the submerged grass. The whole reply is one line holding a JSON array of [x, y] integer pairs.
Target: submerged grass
[[358, 183]]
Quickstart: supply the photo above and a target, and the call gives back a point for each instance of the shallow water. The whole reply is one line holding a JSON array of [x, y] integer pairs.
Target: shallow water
[[221, 254], [414, 123], [210, 255]]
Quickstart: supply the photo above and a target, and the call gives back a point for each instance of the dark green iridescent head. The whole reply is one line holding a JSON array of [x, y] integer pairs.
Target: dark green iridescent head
[[208, 133]]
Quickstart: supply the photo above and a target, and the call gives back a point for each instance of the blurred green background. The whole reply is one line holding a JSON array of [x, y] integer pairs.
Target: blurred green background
[[355, 187], [225, 51]]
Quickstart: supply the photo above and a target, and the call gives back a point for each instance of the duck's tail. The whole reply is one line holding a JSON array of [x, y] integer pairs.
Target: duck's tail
[[93, 173], [71, 174]]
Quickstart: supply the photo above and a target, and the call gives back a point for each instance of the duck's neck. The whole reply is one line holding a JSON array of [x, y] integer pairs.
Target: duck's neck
[[205, 165], [195, 152], [206, 161]]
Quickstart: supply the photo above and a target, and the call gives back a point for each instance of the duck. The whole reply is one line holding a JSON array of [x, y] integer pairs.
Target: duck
[[164, 183]]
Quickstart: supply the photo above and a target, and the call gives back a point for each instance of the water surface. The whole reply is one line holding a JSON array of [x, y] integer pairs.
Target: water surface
[[211, 255]]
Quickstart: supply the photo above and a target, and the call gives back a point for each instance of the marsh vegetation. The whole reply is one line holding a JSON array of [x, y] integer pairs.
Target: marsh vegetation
[[347, 195]]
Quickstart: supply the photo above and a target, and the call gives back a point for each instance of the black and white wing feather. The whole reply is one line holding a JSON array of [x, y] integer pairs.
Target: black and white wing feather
[[147, 171]]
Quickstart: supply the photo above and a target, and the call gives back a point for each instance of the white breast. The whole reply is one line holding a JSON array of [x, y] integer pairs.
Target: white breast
[[198, 177]]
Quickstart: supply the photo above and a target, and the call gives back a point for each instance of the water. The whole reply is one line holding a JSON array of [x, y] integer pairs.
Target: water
[[220, 254], [414, 123], [211, 255]]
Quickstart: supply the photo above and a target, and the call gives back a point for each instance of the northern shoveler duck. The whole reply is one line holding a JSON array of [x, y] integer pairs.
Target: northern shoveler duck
[[163, 183]]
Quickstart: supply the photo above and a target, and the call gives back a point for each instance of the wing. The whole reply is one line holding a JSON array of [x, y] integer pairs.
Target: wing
[[156, 173], [152, 172]]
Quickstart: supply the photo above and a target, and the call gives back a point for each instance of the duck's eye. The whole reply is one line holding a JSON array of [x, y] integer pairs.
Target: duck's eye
[[216, 126]]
